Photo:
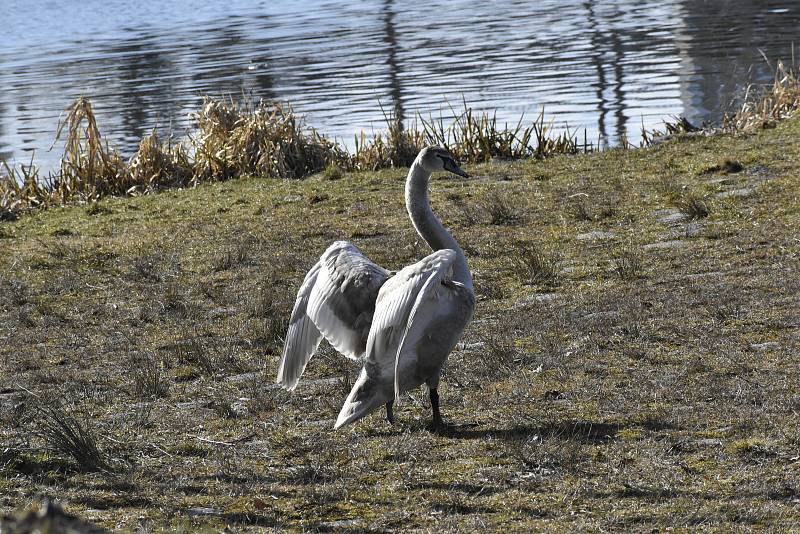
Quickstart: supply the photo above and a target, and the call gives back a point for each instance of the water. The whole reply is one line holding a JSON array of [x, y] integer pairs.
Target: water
[[607, 67]]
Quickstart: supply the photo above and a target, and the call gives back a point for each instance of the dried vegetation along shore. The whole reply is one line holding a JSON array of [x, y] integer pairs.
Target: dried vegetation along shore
[[234, 139]]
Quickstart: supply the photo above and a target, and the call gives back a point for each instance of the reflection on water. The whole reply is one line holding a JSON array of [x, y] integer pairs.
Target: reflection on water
[[607, 67]]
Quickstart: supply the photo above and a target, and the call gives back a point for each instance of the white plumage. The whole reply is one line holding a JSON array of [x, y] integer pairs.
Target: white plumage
[[403, 326]]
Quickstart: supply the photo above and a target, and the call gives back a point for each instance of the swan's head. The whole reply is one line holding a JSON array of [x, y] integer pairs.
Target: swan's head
[[436, 159]]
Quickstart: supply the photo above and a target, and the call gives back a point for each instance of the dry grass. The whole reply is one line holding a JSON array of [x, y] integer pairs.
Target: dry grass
[[476, 137], [257, 139], [66, 434], [763, 107], [693, 205], [500, 208], [246, 138], [628, 263], [89, 168], [396, 148], [158, 165], [537, 264]]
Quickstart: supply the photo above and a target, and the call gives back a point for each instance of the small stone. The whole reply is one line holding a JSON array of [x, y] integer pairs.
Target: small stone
[[736, 193], [675, 243], [669, 216], [201, 511], [769, 345], [596, 235], [708, 442]]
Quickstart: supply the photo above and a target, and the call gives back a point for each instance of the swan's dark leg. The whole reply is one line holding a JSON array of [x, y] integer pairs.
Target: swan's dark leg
[[389, 412], [437, 416]]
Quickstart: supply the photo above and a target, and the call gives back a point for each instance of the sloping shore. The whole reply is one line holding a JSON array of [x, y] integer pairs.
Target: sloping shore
[[631, 365]]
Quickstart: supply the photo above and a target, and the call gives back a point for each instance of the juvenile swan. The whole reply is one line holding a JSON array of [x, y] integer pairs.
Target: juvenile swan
[[403, 326]]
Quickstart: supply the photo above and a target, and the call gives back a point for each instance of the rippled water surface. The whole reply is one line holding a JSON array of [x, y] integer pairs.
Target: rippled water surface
[[608, 67]]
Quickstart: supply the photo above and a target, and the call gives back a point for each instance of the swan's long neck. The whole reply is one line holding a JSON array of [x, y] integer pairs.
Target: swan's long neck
[[428, 226]]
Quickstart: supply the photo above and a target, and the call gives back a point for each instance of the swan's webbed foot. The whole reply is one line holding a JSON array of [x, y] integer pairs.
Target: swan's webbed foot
[[390, 412]]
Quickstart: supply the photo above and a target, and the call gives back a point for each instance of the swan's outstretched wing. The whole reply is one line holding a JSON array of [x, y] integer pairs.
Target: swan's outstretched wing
[[303, 336], [336, 301]]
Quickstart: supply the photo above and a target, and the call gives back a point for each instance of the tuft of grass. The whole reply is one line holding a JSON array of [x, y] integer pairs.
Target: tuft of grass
[[333, 172], [90, 169], [158, 165], [257, 139], [66, 434], [396, 148], [544, 454], [751, 448], [268, 313], [232, 257], [197, 353], [537, 265], [22, 189], [500, 209], [693, 205], [149, 379], [763, 107], [580, 211], [628, 263], [476, 137], [174, 302], [503, 357], [728, 166]]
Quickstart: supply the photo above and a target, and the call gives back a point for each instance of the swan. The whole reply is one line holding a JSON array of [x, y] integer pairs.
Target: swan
[[402, 325]]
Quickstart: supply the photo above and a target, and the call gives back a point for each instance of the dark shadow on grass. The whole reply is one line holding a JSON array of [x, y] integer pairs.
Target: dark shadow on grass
[[343, 529], [461, 508], [585, 431], [250, 519], [117, 501], [473, 490]]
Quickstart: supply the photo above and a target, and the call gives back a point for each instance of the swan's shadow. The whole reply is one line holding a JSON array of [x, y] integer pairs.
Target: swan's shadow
[[581, 430], [577, 430]]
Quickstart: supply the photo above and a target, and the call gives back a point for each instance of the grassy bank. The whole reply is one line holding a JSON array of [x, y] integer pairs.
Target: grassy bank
[[631, 365]]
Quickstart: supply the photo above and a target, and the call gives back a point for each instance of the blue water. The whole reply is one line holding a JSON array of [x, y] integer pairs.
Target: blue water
[[605, 67]]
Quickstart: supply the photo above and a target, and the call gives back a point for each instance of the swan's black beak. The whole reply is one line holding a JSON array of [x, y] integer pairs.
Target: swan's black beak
[[450, 165]]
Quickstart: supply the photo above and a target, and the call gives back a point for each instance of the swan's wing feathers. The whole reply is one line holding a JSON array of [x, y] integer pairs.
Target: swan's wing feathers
[[436, 323], [302, 338], [395, 305], [440, 270], [335, 301], [343, 298]]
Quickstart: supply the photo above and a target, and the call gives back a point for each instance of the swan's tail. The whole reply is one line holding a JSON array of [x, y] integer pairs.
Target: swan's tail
[[365, 397]]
